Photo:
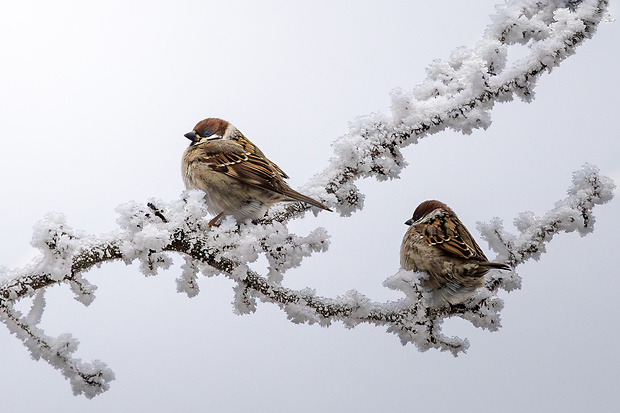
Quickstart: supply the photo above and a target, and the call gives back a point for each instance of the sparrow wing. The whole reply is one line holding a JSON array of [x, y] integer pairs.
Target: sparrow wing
[[448, 233], [230, 158], [250, 147], [280, 171]]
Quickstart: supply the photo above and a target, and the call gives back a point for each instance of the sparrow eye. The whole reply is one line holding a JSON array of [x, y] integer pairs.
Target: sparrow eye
[[204, 134]]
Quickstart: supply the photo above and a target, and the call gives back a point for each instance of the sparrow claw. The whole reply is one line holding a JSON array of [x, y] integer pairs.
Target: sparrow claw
[[213, 222]]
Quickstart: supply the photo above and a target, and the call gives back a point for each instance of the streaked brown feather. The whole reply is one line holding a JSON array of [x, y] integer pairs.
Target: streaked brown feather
[[230, 158], [452, 237], [248, 146]]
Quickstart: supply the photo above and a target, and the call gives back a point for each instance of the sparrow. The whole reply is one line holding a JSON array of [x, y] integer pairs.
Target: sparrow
[[439, 244], [237, 178]]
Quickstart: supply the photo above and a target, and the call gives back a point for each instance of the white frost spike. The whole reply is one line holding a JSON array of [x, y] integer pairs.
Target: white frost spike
[[57, 241], [188, 281], [84, 291], [37, 308], [408, 282], [244, 302], [93, 379], [299, 313]]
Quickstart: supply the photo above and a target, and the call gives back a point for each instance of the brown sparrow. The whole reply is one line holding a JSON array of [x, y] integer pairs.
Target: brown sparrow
[[235, 175], [439, 244]]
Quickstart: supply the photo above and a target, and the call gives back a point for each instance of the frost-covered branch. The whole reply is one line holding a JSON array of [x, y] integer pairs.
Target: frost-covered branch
[[85, 378], [150, 232], [458, 93]]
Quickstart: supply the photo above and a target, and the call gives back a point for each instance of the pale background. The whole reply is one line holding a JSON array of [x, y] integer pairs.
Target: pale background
[[94, 100]]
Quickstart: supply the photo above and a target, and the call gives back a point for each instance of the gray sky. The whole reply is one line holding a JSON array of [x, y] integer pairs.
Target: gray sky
[[95, 98]]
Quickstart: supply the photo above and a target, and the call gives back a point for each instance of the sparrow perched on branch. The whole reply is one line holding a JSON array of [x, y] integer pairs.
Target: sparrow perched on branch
[[439, 244], [235, 175]]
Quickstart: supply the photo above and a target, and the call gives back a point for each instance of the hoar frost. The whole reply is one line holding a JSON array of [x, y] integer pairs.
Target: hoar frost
[[458, 93]]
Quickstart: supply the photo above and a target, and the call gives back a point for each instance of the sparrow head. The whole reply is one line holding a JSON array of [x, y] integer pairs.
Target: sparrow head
[[425, 209], [210, 129]]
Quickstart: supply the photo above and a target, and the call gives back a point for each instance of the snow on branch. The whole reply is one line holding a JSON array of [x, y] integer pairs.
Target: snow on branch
[[458, 93], [88, 379]]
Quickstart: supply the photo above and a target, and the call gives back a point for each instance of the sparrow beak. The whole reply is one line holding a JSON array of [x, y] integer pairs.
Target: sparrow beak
[[191, 136], [409, 222]]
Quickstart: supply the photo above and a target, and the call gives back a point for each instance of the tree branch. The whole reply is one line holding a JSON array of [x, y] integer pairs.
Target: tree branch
[[459, 94]]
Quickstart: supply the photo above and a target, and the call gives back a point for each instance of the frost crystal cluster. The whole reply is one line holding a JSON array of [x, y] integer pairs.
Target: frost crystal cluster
[[459, 93]]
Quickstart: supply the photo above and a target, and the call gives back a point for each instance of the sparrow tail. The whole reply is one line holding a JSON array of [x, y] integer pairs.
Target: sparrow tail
[[296, 196], [498, 266]]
